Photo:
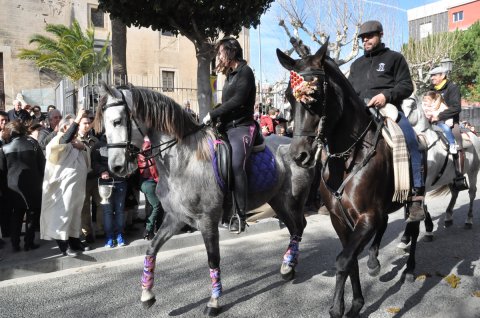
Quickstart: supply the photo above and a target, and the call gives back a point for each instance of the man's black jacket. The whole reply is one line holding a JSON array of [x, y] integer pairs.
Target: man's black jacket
[[382, 71]]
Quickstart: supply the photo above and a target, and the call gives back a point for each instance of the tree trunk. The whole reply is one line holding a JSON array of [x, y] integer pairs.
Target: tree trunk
[[205, 54], [119, 52]]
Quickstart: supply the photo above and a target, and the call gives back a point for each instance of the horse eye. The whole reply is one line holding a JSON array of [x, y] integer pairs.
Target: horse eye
[[117, 122]]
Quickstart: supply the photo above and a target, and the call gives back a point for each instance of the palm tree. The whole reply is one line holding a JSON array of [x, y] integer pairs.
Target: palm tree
[[71, 53]]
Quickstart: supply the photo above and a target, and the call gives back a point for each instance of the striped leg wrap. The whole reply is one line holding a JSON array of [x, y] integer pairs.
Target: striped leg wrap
[[148, 272], [216, 282], [291, 255]]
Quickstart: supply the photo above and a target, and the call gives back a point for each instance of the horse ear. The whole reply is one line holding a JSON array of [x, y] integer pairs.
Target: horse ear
[[103, 89], [319, 57], [110, 90], [286, 61]]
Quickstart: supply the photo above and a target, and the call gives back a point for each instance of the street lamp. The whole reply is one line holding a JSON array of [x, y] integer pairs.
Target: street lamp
[[447, 64]]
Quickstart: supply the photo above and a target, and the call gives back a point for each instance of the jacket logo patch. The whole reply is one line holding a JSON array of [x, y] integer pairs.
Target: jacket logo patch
[[381, 67]]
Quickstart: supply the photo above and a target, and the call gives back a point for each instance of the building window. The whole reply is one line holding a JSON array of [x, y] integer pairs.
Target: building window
[[97, 17], [168, 78], [425, 30], [458, 16]]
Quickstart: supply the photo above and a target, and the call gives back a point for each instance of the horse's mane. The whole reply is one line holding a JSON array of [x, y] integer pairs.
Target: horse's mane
[[161, 113], [333, 71]]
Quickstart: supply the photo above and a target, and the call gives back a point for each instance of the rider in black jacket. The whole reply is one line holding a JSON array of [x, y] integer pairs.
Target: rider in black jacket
[[235, 115], [382, 76]]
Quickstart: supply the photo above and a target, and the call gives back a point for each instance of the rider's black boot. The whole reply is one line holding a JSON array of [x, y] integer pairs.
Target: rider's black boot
[[416, 211]]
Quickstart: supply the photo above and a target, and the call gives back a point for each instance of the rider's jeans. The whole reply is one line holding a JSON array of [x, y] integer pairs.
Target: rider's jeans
[[448, 132], [412, 146]]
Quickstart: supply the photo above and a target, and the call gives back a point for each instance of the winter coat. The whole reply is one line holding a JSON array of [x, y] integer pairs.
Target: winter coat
[[22, 166], [382, 71], [238, 96], [451, 95]]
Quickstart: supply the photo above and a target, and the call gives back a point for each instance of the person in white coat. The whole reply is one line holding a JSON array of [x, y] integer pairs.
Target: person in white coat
[[68, 162]]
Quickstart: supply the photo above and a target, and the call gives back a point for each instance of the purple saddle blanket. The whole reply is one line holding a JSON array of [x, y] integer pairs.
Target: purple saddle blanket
[[261, 169]]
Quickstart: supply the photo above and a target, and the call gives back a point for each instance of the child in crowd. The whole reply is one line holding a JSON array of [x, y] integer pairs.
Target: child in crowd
[[433, 104]]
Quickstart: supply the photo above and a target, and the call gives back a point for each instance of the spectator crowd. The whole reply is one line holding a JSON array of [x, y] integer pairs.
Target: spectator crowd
[[51, 167]]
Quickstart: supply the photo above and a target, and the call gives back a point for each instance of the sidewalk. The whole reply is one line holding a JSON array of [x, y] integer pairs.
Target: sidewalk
[[47, 258]]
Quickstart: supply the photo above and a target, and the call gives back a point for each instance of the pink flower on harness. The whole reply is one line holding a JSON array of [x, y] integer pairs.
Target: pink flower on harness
[[302, 90]]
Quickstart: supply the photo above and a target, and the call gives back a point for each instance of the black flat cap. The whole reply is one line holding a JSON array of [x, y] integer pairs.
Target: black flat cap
[[370, 27]]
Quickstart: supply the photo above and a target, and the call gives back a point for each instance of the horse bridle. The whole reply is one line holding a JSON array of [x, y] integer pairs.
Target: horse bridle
[[131, 150], [318, 133]]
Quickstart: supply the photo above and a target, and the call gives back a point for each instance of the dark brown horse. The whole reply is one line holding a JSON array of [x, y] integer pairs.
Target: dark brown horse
[[357, 181]]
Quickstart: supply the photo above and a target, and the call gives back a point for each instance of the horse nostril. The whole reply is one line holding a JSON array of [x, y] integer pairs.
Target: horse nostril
[[117, 169]]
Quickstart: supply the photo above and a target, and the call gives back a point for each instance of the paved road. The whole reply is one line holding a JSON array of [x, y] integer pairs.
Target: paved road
[[252, 285]]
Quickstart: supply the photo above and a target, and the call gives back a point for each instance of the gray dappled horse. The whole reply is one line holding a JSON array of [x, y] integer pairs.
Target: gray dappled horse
[[441, 168], [187, 187], [357, 177]]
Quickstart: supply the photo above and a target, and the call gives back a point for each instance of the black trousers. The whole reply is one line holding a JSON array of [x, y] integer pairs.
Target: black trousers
[[241, 140], [16, 223]]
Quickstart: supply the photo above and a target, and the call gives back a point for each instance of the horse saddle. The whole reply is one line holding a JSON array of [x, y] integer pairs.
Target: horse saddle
[[260, 167], [466, 141]]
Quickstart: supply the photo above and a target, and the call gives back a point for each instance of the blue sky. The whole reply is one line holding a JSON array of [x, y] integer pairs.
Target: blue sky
[[393, 15]]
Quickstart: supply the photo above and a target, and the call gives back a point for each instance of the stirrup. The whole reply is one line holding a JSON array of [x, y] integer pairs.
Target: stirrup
[[460, 183], [239, 220]]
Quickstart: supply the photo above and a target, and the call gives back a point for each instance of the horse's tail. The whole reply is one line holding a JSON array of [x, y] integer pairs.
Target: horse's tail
[[442, 191]]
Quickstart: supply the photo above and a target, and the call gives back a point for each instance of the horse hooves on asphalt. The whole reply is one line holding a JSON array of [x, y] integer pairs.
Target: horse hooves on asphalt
[[374, 271], [428, 238], [148, 303], [402, 248], [287, 272], [408, 277], [448, 223], [212, 311], [468, 226]]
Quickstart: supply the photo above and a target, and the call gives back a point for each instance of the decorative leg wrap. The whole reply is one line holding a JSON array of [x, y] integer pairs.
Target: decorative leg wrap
[[216, 282], [291, 255], [148, 272]]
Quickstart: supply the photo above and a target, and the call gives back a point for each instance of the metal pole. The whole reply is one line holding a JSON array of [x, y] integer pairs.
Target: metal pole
[[260, 59]]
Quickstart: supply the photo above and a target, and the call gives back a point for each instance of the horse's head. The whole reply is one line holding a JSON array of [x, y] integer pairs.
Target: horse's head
[[306, 93], [124, 136]]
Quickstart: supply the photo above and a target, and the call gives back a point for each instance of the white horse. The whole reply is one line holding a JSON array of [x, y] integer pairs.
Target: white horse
[[440, 164]]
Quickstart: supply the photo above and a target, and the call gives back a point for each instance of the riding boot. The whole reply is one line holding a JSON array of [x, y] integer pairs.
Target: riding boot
[[416, 211], [238, 220], [460, 181]]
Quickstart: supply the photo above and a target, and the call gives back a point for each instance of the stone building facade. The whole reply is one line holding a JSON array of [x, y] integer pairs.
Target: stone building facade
[[154, 59]]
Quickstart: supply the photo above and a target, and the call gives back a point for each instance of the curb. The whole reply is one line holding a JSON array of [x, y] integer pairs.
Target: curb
[[46, 259]]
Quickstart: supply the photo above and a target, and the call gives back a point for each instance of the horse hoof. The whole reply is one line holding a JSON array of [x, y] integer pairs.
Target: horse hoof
[[468, 226], [409, 277], [212, 311], [148, 303], [402, 248], [374, 271], [448, 223], [428, 237], [287, 272]]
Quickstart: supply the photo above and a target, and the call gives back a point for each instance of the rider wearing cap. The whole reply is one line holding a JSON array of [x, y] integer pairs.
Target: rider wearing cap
[[452, 98], [382, 77]]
